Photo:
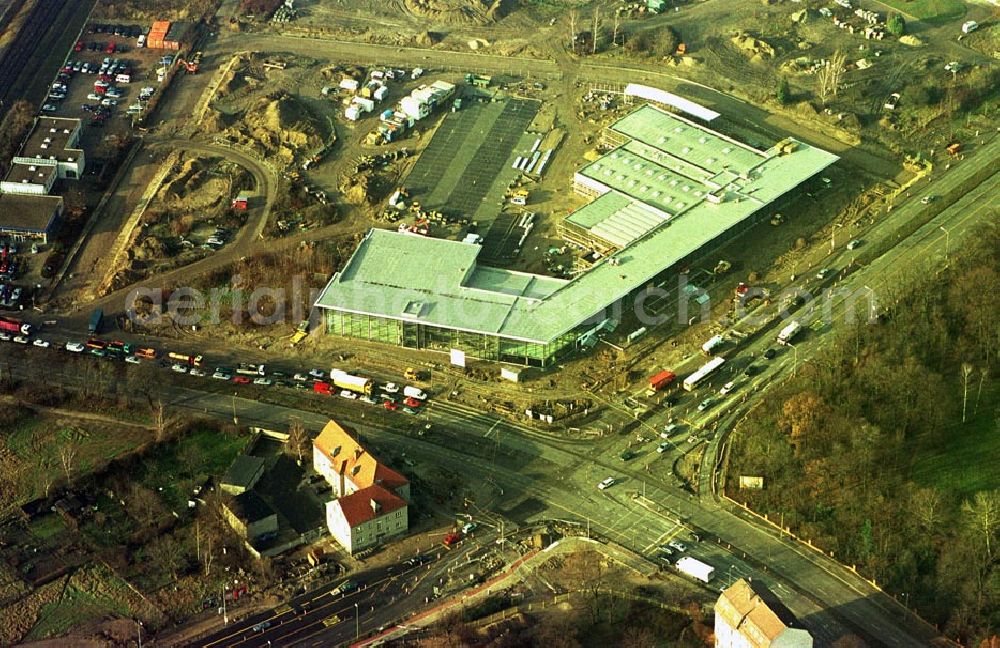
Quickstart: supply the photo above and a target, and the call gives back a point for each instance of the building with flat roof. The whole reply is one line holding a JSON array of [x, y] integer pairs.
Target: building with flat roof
[[29, 217], [747, 615], [34, 179], [243, 474], [667, 191], [250, 516], [54, 141]]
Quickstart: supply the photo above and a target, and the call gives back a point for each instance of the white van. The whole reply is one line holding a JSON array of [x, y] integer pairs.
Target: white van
[[414, 392], [141, 41]]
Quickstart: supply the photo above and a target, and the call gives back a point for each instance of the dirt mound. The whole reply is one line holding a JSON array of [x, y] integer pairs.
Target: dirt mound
[[278, 126], [755, 48], [195, 185], [458, 11]]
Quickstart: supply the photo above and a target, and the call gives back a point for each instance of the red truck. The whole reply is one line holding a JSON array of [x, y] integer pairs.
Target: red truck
[[14, 326], [322, 388], [662, 380]]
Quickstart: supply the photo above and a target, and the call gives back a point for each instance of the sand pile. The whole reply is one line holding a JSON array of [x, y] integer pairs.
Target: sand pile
[[277, 127], [457, 11]]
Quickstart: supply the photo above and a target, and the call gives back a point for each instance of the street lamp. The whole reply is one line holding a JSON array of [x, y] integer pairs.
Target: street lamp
[[833, 236], [138, 625], [357, 623], [947, 241], [236, 421], [225, 616]]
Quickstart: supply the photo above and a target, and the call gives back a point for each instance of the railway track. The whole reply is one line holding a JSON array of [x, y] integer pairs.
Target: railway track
[[23, 63]]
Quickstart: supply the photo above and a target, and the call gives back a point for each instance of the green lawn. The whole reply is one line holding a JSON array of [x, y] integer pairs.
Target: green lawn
[[78, 606], [967, 464], [935, 11], [179, 467]]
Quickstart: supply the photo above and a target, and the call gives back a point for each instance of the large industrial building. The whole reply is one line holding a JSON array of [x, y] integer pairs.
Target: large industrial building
[[668, 190]]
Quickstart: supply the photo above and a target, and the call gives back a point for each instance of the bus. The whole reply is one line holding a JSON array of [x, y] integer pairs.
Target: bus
[[706, 370]]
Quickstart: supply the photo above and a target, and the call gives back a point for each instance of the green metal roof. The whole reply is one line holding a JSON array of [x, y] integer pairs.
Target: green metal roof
[[437, 282]]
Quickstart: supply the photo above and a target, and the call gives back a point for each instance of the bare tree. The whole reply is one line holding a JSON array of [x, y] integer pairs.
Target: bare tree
[[67, 454], [593, 48], [983, 371], [159, 420], [572, 30], [966, 372], [984, 517], [829, 76], [614, 32], [298, 441]]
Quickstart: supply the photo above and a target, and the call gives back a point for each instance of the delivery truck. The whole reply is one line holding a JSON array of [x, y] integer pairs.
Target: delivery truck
[[695, 569]]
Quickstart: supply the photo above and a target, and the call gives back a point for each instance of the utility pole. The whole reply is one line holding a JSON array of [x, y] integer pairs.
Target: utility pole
[[225, 617], [138, 625], [236, 421], [357, 623]]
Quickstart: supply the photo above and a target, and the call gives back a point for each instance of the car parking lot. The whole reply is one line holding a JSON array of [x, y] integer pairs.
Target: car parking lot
[[106, 75]]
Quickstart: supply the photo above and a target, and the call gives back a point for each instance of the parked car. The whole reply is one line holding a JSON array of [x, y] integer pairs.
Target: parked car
[[241, 380], [390, 405], [179, 368], [390, 388], [131, 359], [195, 371], [669, 430], [42, 343], [677, 545], [74, 347], [607, 483], [263, 381], [348, 394], [728, 387], [705, 404], [318, 374], [222, 375], [770, 354], [853, 244], [49, 108]]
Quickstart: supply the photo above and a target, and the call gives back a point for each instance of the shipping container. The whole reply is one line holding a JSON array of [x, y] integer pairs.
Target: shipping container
[[662, 380]]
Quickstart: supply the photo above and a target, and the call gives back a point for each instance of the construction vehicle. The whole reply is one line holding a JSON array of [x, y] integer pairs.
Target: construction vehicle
[[681, 49], [954, 148], [191, 66], [722, 267], [519, 197]]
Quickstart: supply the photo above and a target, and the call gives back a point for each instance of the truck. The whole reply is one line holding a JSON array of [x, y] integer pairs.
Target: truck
[[695, 569], [414, 392], [324, 388], [969, 26], [183, 358], [14, 326], [359, 384], [245, 369], [95, 321], [786, 334], [713, 343], [662, 380]]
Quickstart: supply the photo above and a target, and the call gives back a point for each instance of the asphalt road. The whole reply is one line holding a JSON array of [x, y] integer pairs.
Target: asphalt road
[[646, 508]]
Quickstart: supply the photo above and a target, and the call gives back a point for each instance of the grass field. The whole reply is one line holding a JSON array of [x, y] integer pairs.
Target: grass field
[[36, 441], [92, 594], [968, 463], [179, 467], [935, 11]]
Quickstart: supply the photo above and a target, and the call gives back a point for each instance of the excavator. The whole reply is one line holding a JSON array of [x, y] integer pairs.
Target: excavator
[[191, 65]]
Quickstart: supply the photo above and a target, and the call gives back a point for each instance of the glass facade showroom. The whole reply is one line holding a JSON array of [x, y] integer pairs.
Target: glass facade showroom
[[481, 346]]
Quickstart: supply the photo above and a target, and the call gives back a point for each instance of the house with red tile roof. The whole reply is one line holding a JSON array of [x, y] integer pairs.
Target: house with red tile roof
[[366, 517], [370, 499], [747, 615]]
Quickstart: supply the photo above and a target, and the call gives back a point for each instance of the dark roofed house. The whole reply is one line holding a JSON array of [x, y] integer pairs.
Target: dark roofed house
[[29, 217], [250, 516], [243, 473]]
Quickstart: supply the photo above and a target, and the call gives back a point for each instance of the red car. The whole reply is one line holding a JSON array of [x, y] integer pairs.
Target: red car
[[412, 402], [391, 406], [110, 49], [241, 380], [79, 46], [451, 539]]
